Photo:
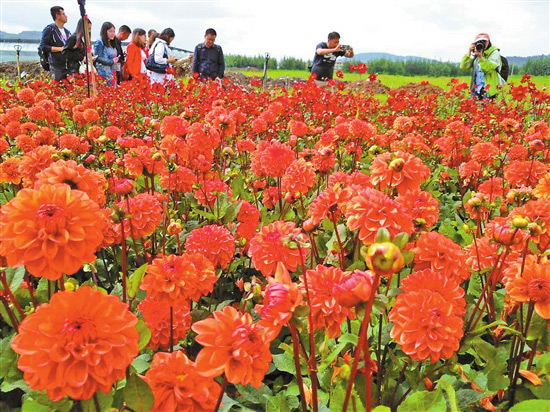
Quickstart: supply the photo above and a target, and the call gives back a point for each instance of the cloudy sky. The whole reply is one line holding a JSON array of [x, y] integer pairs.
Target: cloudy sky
[[440, 29]]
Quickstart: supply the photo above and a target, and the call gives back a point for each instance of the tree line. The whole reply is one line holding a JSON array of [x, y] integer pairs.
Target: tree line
[[535, 67]]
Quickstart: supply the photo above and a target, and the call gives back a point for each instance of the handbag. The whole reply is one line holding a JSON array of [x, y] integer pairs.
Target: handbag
[[152, 65]]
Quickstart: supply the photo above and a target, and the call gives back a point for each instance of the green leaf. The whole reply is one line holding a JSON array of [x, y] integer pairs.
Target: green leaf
[[144, 334], [424, 401], [382, 236], [134, 281], [137, 394], [531, 405], [232, 212], [35, 401], [408, 255], [381, 408], [227, 403], [8, 360], [277, 403], [467, 397], [253, 395], [331, 356], [453, 403], [105, 401], [284, 362], [401, 240], [14, 278]]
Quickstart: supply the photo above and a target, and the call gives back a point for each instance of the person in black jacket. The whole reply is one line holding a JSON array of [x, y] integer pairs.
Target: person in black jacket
[[54, 39], [208, 60], [122, 35], [75, 49]]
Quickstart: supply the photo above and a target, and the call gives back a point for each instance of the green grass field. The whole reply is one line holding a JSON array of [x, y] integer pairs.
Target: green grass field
[[394, 81]]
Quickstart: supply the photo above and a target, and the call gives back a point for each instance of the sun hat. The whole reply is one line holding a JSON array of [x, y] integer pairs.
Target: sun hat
[[482, 36]]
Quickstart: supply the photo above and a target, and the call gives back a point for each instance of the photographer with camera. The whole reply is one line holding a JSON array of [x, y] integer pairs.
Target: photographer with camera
[[326, 54], [484, 59]]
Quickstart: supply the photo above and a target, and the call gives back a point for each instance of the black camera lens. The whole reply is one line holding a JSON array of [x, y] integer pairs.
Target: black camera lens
[[480, 45]]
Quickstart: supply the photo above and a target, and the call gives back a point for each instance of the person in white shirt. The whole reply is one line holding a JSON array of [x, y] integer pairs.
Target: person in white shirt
[[160, 53]]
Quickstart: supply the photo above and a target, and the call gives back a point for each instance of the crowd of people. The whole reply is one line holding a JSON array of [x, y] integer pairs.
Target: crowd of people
[[150, 54]]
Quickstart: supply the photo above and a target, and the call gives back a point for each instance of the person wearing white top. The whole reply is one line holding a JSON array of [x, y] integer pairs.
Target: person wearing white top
[[161, 55]]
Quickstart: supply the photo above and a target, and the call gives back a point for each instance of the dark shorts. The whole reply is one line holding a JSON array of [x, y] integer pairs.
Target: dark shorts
[[59, 74]]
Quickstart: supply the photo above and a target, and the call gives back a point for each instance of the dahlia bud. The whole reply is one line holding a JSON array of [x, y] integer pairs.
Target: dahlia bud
[[70, 286], [308, 225], [507, 235], [90, 158], [397, 164], [55, 157], [385, 258], [519, 222], [156, 157], [535, 229], [174, 228], [429, 384], [102, 139], [227, 151], [344, 372], [536, 145], [292, 141], [356, 288]]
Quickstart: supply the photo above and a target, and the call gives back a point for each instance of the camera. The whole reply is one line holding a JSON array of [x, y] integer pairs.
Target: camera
[[480, 45], [345, 47]]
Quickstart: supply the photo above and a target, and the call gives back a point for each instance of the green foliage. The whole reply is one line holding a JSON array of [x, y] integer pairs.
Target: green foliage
[[138, 394], [536, 67], [531, 406], [241, 61], [292, 63], [408, 67], [424, 401]]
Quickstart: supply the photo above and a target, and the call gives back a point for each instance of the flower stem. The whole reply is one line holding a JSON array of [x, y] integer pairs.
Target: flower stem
[[124, 268], [312, 362], [222, 390], [9, 293], [295, 346], [360, 344]]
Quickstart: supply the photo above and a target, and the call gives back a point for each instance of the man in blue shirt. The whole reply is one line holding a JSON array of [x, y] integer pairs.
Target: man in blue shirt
[[208, 61], [326, 54]]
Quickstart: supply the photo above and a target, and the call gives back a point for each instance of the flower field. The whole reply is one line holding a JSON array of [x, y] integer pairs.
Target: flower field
[[199, 248]]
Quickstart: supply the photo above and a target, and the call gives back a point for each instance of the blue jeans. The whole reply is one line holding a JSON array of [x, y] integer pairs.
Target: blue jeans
[[59, 74]]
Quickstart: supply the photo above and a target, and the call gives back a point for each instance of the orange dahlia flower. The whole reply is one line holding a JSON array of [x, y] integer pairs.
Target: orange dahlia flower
[[177, 386], [526, 173], [146, 214], [9, 171], [34, 162], [215, 242], [276, 243], [327, 313], [299, 177], [156, 315], [176, 278], [420, 205], [371, 210], [440, 254], [426, 325], [233, 344], [532, 286], [77, 344], [401, 170], [355, 288], [324, 206], [51, 231], [281, 298], [77, 177], [542, 189]]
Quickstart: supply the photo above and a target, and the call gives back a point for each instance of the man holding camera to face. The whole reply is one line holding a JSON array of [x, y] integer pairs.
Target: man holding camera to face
[[484, 59], [326, 54]]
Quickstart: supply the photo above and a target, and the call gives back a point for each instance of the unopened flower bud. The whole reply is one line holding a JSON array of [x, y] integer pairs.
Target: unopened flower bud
[[102, 139], [519, 222], [174, 228], [385, 258], [69, 286]]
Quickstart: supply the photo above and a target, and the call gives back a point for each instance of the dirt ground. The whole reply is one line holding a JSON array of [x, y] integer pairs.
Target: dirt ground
[[183, 68]]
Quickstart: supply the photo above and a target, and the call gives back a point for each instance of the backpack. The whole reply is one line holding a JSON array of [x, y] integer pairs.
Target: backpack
[[504, 70], [44, 58]]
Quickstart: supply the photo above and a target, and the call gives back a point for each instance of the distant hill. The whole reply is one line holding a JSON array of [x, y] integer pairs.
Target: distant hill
[[24, 35], [520, 61], [517, 61], [367, 57]]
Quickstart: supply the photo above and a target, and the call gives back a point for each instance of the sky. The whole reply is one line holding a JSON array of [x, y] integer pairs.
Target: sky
[[438, 29]]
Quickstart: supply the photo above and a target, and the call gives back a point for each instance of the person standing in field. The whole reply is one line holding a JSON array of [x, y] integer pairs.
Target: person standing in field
[[151, 37], [106, 52], [53, 41], [160, 54], [208, 60], [122, 35], [326, 55], [484, 59], [135, 55], [75, 50]]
